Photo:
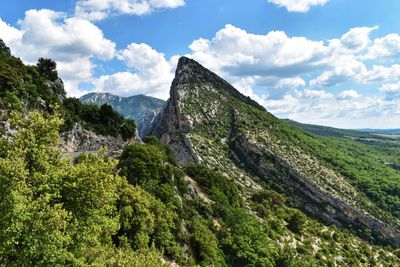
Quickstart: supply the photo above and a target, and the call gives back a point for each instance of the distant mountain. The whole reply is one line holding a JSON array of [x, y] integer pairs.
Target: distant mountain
[[143, 109]]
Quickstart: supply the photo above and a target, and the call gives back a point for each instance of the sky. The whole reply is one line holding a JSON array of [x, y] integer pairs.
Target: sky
[[326, 62]]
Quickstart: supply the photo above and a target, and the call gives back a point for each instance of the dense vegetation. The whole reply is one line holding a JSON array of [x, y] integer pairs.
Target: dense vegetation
[[56, 213], [103, 120]]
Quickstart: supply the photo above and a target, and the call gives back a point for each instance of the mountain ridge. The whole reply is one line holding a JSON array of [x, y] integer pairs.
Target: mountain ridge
[[205, 109]]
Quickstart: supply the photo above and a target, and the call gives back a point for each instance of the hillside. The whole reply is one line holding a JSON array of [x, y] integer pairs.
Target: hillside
[[143, 109], [254, 149]]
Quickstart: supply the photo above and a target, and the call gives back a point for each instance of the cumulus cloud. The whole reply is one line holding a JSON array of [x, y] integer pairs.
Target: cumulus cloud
[[314, 94], [348, 94], [101, 9], [151, 73], [391, 91], [8, 33], [357, 38], [71, 42], [387, 46], [301, 6], [276, 56]]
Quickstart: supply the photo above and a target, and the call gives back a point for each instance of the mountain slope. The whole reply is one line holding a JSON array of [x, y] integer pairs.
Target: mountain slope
[[206, 120], [143, 109]]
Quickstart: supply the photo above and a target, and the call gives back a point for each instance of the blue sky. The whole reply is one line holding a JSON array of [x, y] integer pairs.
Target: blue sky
[[330, 62]]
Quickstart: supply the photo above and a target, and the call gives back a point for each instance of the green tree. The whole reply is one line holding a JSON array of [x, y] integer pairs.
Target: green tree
[[48, 68], [4, 49], [143, 165], [54, 212]]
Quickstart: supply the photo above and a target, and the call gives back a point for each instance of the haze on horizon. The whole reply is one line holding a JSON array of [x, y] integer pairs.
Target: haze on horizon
[[325, 62]]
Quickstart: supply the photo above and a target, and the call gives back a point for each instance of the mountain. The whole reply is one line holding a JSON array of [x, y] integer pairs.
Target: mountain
[[143, 109], [208, 121]]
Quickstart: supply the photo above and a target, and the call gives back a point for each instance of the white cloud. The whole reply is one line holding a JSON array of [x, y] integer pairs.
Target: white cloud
[[283, 107], [346, 68], [391, 91], [274, 69], [153, 73], [357, 39], [71, 42], [101, 9], [387, 46], [8, 33], [314, 94], [301, 6], [273, 61], [348, 94]]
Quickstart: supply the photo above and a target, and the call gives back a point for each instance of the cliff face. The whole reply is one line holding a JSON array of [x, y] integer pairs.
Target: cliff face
[[173, 125], [207, 120], [307, 195], [80, 140]]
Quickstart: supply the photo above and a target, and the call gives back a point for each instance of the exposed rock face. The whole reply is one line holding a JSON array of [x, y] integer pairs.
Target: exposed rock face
[[57, 89], [306, 194], [200, 102], [79, 140], [173, 124], [143, 109]]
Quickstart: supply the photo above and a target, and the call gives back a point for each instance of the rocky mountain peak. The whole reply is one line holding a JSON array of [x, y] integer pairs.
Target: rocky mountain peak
[[190, 74], [189, 70]]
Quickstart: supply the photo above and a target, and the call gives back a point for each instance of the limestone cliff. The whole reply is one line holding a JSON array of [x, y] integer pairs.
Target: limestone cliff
[[80, 140]]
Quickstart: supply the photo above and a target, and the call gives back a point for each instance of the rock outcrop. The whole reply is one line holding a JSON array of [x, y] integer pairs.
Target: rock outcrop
[[173, 125], [80, 140]]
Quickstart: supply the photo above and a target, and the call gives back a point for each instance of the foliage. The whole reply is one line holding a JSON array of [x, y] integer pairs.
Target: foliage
[[218, 186], [55, 212], [4, 49], [48, 68], [143, 165], [39, 87], [204, 243], [103, 120]]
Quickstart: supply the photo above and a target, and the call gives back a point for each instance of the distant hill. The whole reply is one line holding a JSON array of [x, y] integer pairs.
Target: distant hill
[[380, 131], [328, 131], [379, 137], [143, 109]]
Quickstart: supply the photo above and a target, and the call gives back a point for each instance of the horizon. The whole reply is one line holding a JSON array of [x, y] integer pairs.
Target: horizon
[[327, 62]]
